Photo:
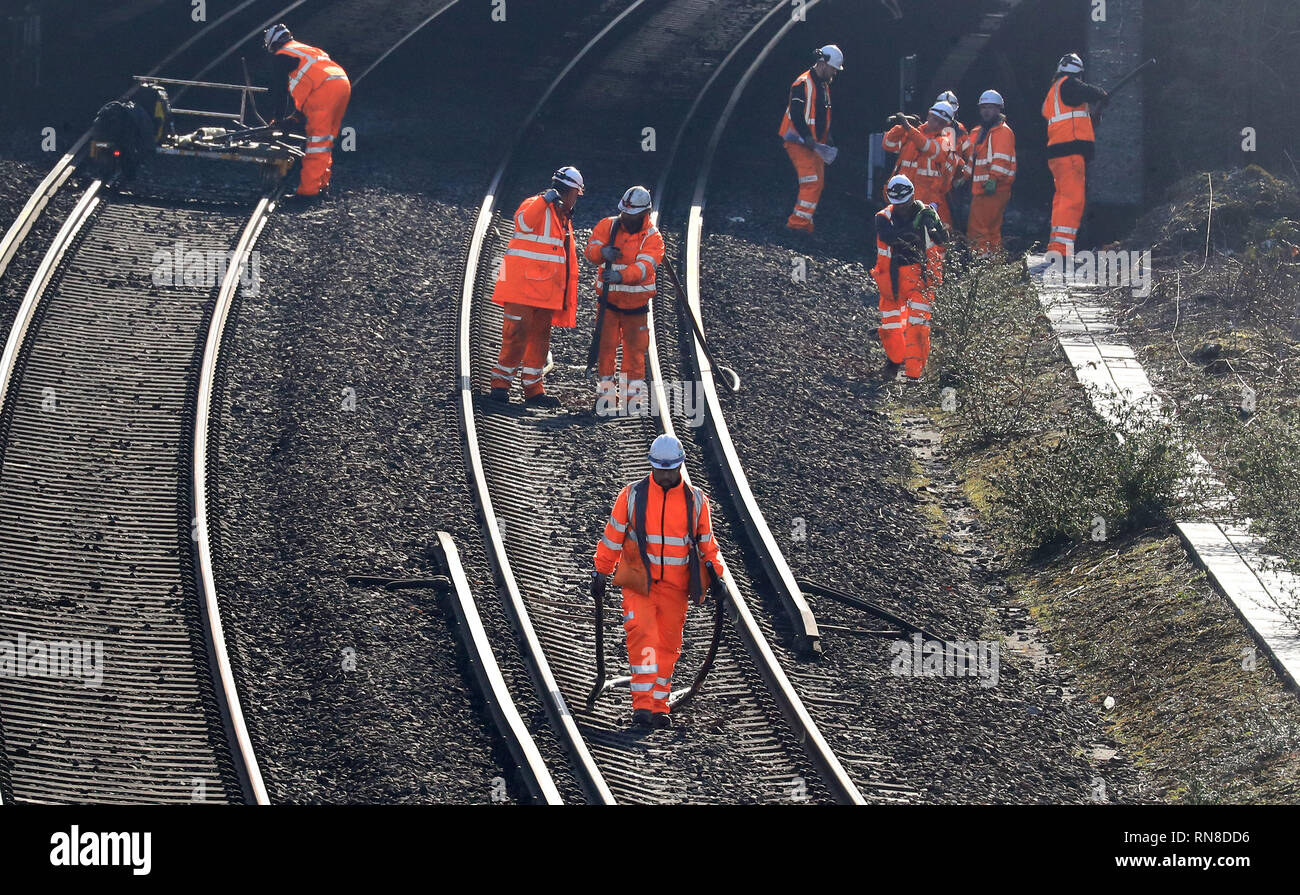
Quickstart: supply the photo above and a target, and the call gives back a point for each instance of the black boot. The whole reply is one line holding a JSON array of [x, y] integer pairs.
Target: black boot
[[661, 719], [500, 395], [641, 718], [889, 372], [545, 401]]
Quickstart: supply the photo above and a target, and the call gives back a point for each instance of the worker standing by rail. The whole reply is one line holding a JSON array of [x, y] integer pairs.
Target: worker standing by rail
[[629, 250], [1071, 140], [909, 267], [660, 537], [993, 156], [806, 130], [537, 287], [923, 157], [313, 87]]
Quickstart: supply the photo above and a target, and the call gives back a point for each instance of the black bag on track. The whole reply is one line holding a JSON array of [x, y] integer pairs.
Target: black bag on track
[[130, 128]]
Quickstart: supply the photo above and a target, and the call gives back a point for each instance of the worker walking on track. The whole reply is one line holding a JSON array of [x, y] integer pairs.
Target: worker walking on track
[[629, 250], [660, 537], [313, 87], [925, 157], [909, 268], [537, 287], [806, 130], [1071, 140], [993, 155]]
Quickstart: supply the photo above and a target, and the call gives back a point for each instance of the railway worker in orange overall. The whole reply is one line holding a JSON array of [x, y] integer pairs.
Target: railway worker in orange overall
[[925, 157], [806, 130], [956, 139], [319, 90], [908, 269], [993, 155], [1071, 140], [632, 254], [537, 287], [660, 537]]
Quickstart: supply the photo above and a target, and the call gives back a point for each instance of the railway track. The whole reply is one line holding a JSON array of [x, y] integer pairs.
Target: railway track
[[843, 726], [543, 482], [109, 383]]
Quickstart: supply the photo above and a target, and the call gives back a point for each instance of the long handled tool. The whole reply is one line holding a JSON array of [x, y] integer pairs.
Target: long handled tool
[[1119, 85], [252, 100], [594, 351], [730, 378]]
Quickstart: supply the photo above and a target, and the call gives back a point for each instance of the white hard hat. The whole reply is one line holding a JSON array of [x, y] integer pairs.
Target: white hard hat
[[945, 111], [900, 189], [1070, 64], [991, 97], [832, 56], [275, 35], [569, 177], [635, 201], [666, 453], [948, 97]]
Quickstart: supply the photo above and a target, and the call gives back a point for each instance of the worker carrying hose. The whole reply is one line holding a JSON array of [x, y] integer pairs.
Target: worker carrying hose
[[629, 250], [1071, 140], [660, 538], [909, 268], [806, 130], [313, 87], [537, 287], [993, 157], [928, 156]]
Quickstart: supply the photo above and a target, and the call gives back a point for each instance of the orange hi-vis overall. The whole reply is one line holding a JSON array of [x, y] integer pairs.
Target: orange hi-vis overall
[[927, 162], [537, 286], [907, 292], [671, 535], [808, 165], [1067, 124], [320, 91], [626, 320], [994, 159]]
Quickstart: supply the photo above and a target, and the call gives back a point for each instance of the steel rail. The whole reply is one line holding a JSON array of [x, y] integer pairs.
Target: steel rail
[[492, 683], [544, 678], [764, 546], [225, 687]]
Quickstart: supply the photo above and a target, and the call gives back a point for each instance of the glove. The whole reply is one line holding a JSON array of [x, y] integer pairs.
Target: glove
[[609, 253], [926, 218], [990, 187], [551, 195], [598, 583], [611, 276]]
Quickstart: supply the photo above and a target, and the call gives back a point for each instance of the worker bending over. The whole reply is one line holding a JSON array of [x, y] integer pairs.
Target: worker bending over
[[660, 537], [806, 130], [924, 157], [319, 90], [629, 250], [537, 287], [1070, 143], [909, 268], [993, 156]]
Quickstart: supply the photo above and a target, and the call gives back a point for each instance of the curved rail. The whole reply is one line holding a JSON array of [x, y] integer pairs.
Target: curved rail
[[227, 693], [561, 718], [537, 776]]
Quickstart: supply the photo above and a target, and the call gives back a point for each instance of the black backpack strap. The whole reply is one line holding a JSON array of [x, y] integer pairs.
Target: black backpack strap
[[641, 495]]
